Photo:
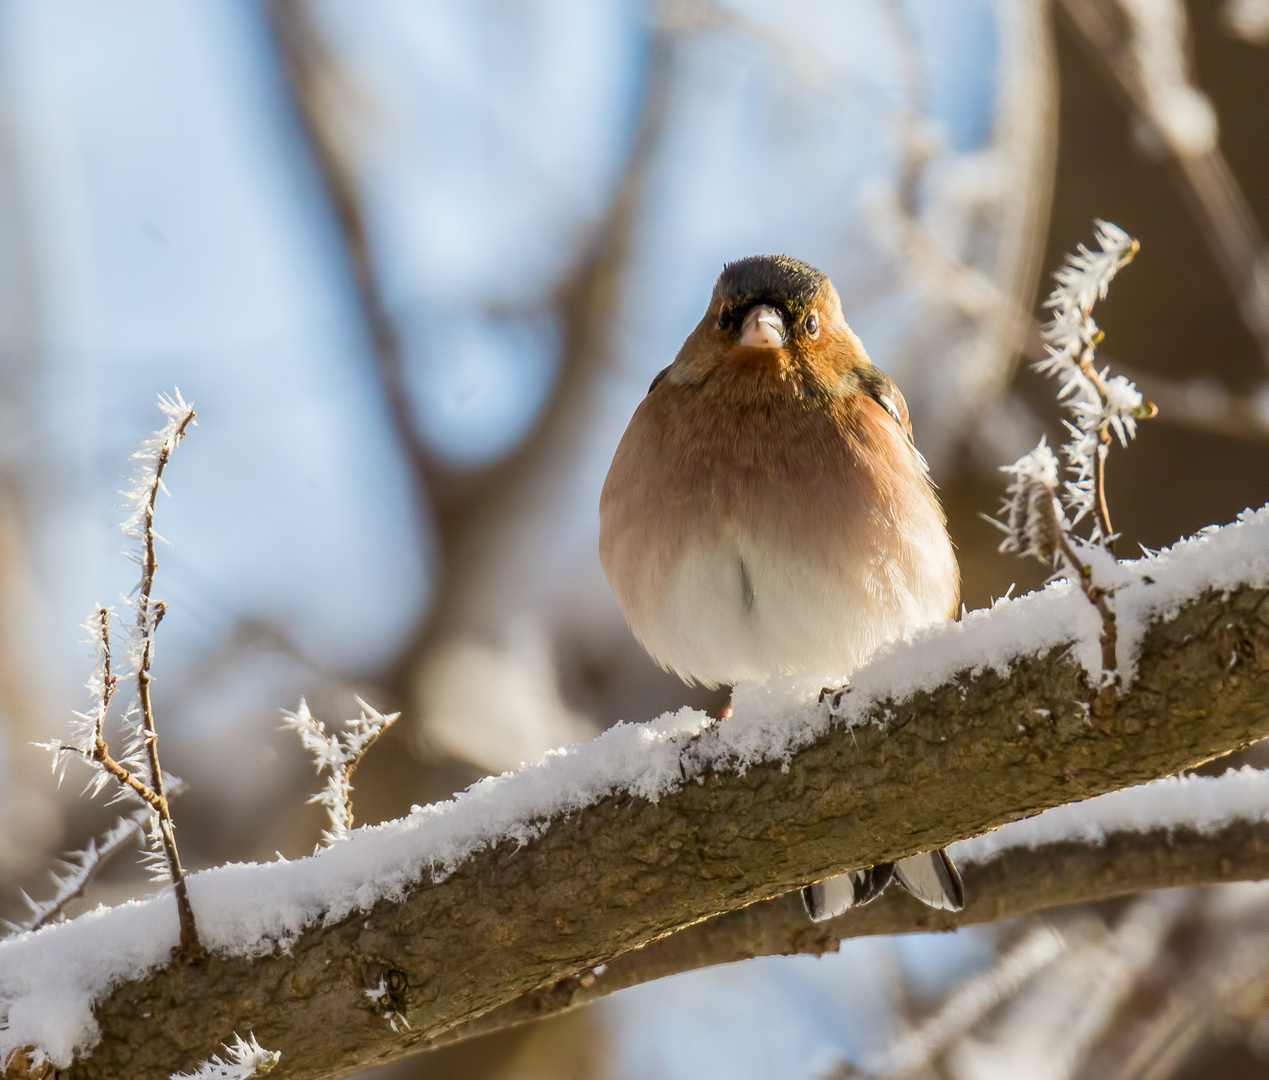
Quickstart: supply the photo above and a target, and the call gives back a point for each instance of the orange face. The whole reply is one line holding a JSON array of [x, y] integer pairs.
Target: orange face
[[801, 339]]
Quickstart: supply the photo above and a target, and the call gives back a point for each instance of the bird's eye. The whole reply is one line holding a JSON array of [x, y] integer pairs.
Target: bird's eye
[[724, 317], [812, 324]]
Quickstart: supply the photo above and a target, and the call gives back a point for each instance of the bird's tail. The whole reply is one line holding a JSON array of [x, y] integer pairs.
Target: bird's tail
[[931, 877]]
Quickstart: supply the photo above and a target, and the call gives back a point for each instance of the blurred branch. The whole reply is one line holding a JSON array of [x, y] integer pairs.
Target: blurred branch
[[624, 872], [319, 90], [970, 1002], [1228, 979], [591, 309], [1006, 214], [1200, 405], [1120, 38], [490, 560]]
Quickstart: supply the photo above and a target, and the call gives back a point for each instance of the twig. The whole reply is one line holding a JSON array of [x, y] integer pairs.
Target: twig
[[156, 454], [142, 757], [338, 754], [80, 867], [1104, 408]]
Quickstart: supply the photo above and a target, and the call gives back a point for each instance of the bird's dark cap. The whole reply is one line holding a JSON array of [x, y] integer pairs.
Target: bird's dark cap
[[779, 280]]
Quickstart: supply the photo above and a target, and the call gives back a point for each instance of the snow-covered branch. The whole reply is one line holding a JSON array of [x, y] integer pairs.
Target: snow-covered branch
[[552, 875]]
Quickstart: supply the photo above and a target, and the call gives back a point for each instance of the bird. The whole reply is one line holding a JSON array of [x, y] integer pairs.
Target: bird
[[767, 513]]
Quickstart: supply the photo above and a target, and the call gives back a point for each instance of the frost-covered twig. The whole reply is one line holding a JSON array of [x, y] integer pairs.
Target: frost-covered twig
[[338, 755], [81, 866], [78, 868], [1104, 408], [152, 458], [138, 771], [243, 1060]]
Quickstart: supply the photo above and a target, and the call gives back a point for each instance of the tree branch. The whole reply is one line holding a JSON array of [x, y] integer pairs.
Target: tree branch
[[1019, 882], [624, 872]]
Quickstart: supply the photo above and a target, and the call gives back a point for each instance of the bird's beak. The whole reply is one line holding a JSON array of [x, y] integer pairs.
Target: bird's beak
[[763, 328]]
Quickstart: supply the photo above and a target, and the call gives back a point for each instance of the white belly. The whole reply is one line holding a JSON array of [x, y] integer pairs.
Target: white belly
[[729, 611]]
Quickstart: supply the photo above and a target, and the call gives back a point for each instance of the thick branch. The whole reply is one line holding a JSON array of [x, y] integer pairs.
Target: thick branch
[[979, 751], [1019, 882]]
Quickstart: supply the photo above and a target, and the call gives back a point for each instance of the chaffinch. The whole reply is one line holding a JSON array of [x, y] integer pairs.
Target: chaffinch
[[767, 513]]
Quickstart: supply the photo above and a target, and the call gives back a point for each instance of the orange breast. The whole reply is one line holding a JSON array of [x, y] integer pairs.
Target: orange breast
[[822, 491]]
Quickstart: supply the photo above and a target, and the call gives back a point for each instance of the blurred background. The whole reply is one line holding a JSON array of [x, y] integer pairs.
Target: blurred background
[[415, 263]]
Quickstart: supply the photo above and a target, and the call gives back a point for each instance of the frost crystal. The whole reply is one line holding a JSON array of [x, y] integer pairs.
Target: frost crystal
[[1034, 522], [243, 1060], [338, 755]]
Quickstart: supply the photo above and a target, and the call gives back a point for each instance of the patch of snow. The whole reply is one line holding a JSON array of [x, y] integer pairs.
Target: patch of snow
[[1202, 803], [50, 978]]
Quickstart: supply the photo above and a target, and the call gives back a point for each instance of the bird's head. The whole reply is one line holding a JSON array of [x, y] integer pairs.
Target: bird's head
[[774, 314]]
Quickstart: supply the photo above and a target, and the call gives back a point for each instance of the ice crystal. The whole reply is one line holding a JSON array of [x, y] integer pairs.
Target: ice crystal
[[243, 1060]]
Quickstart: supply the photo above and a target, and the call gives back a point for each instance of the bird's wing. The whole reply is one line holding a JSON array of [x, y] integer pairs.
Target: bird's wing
[[879, 386]]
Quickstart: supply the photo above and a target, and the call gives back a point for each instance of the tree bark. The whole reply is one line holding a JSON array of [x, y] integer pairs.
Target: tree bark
[[1018, 882], [949, 764]]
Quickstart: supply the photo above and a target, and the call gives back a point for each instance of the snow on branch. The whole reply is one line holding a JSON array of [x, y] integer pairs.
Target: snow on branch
[[243, 1060], [338, 756]]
